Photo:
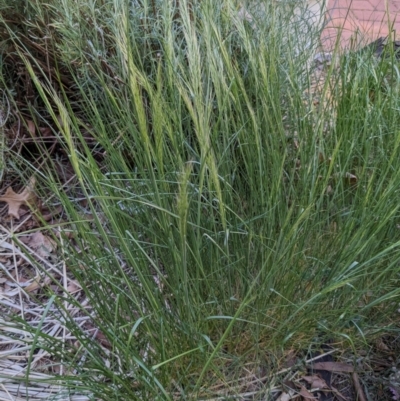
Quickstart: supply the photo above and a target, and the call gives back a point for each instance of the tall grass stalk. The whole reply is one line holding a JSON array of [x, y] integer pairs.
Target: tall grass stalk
[[230, 220]]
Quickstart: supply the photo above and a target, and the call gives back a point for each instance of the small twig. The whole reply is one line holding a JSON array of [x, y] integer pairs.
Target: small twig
[[4, 114], [359, 390]]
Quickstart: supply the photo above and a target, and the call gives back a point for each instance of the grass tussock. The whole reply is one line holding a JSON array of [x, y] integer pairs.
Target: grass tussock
[[216, 216]]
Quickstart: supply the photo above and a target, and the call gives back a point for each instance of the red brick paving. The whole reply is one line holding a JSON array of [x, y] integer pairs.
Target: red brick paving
[[367, 17]]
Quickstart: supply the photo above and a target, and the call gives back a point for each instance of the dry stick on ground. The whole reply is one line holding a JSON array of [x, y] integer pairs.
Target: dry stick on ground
[[4, 114], [359, 390]]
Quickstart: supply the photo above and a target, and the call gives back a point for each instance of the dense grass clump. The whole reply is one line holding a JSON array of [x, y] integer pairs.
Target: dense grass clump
[[230, 218]]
